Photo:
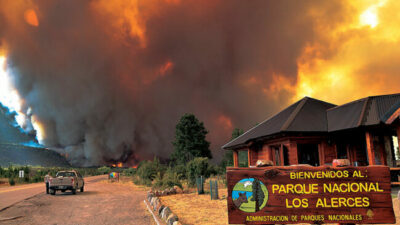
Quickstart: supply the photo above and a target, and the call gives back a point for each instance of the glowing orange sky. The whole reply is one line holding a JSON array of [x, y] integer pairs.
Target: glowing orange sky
[[355, 58]]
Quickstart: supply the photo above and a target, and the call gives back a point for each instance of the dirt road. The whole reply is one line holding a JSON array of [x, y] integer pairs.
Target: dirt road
[[101, 203]]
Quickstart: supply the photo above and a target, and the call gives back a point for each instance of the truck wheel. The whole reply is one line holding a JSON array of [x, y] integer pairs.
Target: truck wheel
[[73, 191], [52, 192], [82, 189]]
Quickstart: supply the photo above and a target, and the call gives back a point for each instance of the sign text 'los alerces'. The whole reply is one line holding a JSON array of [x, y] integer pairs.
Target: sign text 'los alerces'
[[304, 194]]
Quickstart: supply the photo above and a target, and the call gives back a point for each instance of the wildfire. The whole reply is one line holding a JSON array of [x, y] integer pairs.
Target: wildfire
[[370, 16], [38, 126], [166, 67], [160, 72], [119, 165], [125, 19], [351, 60], [9, 96], [31, 17]]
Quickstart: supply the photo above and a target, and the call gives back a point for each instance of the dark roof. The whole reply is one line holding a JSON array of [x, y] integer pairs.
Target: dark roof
[[306, 115], [312, 115], [364, 112]]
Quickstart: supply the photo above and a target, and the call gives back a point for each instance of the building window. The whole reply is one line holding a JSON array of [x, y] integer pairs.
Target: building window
[[286, 155], [243, 159], [341, 151], [308, 154], [396, 147], [277, 155]]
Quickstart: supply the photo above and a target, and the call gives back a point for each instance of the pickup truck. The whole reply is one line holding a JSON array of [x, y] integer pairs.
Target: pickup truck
[[66, 180]]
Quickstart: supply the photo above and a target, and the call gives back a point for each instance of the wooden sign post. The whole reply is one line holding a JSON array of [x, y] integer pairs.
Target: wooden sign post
[[305, 194]]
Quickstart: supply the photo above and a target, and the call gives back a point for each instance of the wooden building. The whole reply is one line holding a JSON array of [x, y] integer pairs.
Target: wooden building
[[314, 132]]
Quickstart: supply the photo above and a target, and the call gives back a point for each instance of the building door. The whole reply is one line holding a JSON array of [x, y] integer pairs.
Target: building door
[[308, 154]]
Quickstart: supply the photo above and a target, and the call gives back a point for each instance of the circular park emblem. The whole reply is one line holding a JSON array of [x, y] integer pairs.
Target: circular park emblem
[[250, 195]]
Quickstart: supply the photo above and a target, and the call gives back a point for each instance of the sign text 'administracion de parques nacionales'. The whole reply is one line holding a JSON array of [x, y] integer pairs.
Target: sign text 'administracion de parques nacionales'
[[305, 194]]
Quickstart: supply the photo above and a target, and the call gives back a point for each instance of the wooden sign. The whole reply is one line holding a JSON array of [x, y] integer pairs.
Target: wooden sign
[[305, 194]]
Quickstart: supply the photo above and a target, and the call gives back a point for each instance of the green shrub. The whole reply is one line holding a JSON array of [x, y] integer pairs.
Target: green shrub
[[104, 170], [148, 170], [37, 178], [26, 170], [180, 170], [171, 179], [168, 180], [11, 181], [138, 181], [196, 168], [129, 172]]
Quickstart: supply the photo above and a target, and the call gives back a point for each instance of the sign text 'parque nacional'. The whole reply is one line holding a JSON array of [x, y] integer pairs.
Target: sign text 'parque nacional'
[[304, 194]]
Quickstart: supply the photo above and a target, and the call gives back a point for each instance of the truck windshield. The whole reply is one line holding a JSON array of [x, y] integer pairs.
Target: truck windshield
[[66, 174]]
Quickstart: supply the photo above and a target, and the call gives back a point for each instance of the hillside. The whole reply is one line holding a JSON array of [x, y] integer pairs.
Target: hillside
[[14, 149], [25, 155]]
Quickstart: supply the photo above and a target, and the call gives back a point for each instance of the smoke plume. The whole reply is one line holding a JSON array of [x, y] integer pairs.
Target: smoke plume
[[107, 81]]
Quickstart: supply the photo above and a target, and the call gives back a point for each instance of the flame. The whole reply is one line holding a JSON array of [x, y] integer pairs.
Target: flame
[[31, 17], [9, 96], [38, 126], [352, 59], [128, 18], [370, 16], [160, 72], [166, 67], [119, 165], [125, 19]]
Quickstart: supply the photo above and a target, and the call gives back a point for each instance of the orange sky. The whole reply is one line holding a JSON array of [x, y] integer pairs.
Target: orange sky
[[356, 58]]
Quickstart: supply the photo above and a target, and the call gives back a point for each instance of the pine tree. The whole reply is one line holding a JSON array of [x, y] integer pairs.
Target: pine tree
[[258, 194], [190, 140]]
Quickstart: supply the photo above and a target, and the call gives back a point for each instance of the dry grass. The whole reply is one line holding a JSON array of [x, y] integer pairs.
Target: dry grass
[[127, 181], [198, 209]]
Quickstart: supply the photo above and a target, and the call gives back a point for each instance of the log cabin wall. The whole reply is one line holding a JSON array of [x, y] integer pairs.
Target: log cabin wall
[[264, 153], [293, 155]]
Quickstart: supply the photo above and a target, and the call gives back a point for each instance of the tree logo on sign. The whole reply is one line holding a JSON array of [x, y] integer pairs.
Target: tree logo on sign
[[250, 195]]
